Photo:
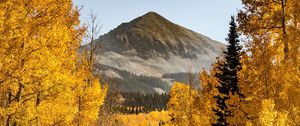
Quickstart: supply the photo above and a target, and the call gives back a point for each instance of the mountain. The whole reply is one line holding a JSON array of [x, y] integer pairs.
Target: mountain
[[152, 46]]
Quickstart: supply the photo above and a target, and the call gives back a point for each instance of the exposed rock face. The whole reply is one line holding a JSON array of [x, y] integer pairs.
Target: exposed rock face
[[151, 35]]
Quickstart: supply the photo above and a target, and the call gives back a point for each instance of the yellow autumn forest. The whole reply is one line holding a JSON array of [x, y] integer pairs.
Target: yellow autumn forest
[[45, 81]]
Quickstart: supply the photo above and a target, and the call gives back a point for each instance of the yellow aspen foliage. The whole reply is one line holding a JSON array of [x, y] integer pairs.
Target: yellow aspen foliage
[[183, 106], [268, 114], [272, 62], [154, 118], [271, 117], [207, 92], [238, 108], [89, 95], [39, 62]]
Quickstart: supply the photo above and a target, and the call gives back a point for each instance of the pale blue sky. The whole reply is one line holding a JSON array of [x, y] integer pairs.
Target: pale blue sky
[[208, 17]]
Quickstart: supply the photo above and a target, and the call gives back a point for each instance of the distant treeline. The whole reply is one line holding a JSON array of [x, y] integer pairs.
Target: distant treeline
[[132, 83], [135, 103], [184, 77]]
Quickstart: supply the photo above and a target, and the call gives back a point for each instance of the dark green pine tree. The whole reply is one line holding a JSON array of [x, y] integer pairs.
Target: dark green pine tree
[[228, 78]]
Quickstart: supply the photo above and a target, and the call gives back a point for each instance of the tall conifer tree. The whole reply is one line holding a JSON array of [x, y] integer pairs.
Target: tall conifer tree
[[227, 75]]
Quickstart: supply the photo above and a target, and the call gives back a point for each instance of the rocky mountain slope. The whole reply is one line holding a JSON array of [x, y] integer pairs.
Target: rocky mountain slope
[[153, 46]]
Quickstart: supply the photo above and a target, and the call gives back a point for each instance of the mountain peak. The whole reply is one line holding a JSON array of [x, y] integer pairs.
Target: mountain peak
[[152, 21], [152, 35], [151, 14], [153, 46]]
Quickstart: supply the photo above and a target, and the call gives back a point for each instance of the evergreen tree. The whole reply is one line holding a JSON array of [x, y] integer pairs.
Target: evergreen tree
[[227, 75]]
